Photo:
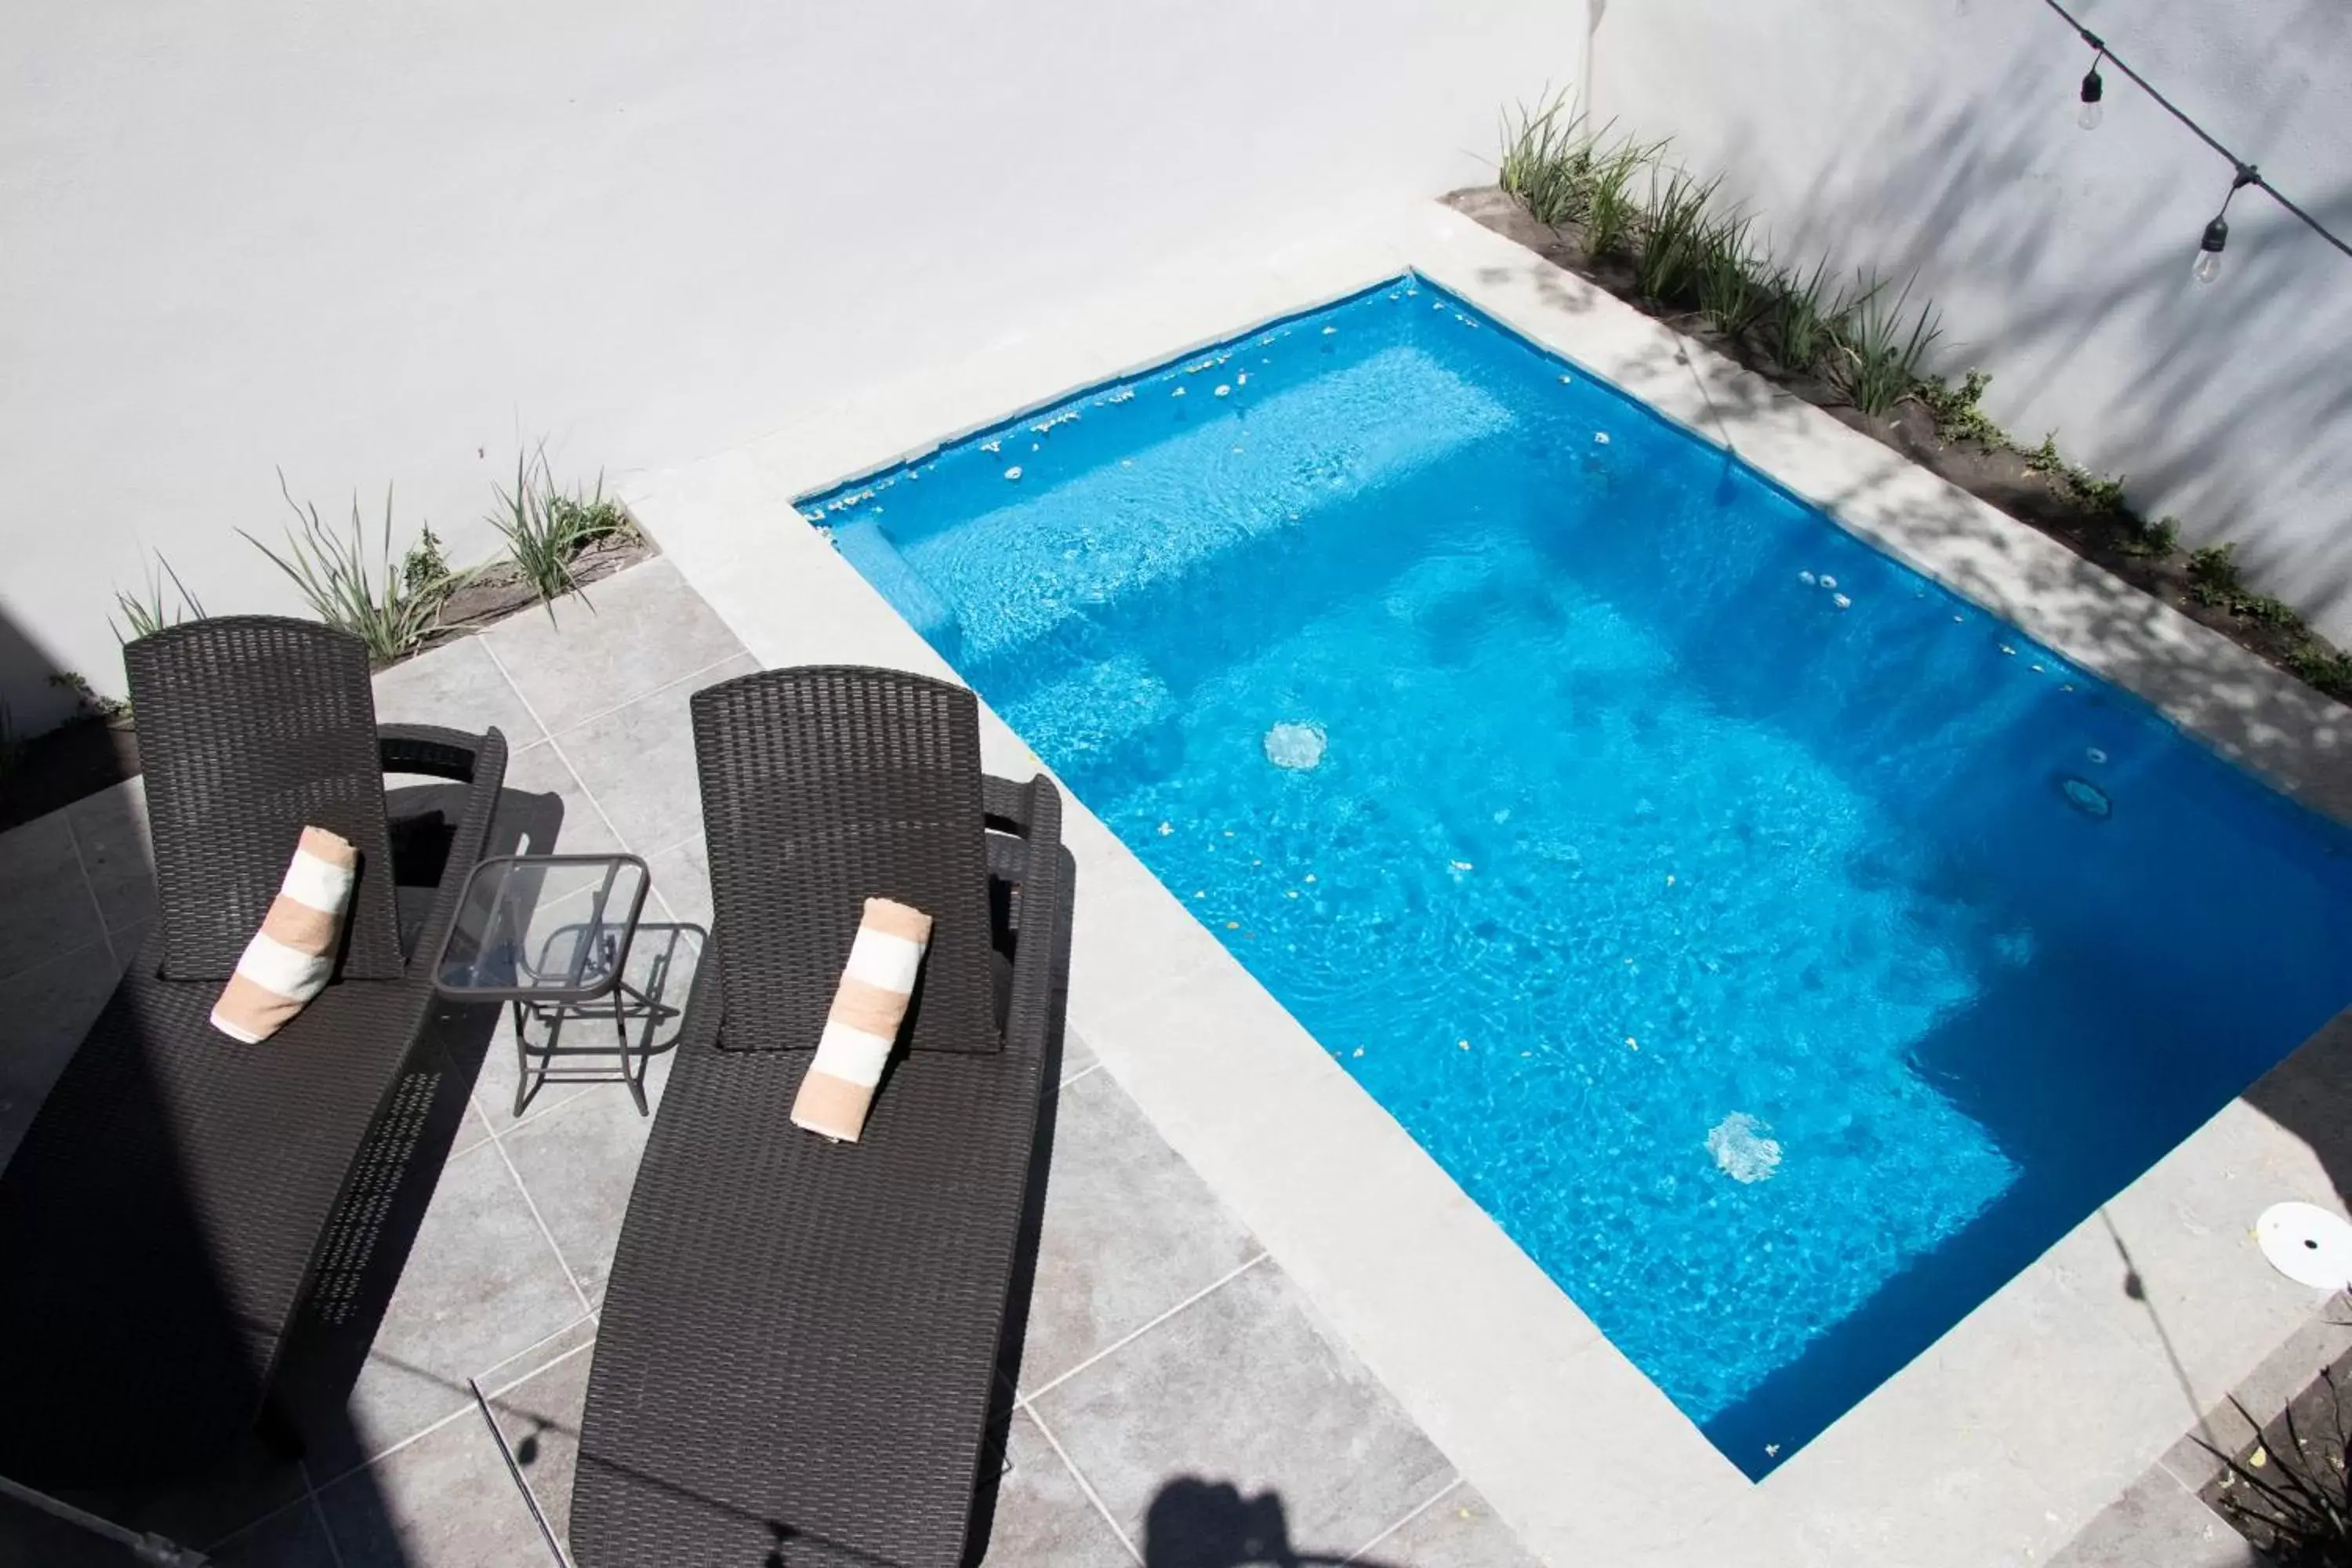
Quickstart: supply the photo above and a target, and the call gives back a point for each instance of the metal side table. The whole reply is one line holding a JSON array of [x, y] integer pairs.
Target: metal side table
[[549, 936]]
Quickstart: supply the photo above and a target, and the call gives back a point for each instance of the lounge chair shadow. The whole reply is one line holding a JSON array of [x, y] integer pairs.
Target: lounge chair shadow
[[1032, 1221], [304, 1416], [328, 1349]]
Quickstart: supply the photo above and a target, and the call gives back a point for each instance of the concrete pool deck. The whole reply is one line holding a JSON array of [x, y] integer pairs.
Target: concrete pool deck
[[1999, 1442]]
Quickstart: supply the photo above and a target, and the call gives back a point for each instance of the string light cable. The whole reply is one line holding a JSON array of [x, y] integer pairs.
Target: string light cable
[[2208, 264]]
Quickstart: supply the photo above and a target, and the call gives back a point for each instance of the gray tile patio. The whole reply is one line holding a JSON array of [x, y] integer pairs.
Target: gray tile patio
[[2158, 1521], [1177, 1388], [1457, 1529], [1242, 1387]]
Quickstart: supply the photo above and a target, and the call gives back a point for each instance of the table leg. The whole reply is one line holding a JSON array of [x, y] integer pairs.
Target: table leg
[[522, 1062], [635, 1081]]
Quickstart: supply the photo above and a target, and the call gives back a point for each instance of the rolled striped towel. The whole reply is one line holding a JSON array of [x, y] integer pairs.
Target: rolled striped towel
[[289, 958], [867, 1009]]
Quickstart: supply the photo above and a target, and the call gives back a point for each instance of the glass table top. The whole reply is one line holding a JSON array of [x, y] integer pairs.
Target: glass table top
[[551, 927]]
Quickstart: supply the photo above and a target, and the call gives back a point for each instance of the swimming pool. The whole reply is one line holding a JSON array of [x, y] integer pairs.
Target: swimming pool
[[1783, 951]]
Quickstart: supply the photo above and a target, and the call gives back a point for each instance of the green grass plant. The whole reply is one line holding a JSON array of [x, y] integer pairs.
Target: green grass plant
[[546, 528], [379, 605], [1734, 292], [1546, 160], [1876, 359], [1675, 229], [145, 613]]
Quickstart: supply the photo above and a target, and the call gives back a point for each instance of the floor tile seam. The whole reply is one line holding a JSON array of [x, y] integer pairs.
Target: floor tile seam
[[1085, 1487], [89, 891], [589, 796], [536, 1367], [1027, 1399], [586, 1305], [1419, 1509], [693, 837], [2163, 1466], [580, 1086], [504, 1388], [486, 1133], [378, 1456], [558, 1359], [54, 960], [548, 740], [670, 684], [299, 1499], [318, 1512], [556, 746]]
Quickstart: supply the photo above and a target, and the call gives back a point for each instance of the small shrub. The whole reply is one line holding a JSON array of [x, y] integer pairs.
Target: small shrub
[[2154, 541], [2264, 610], [424, 570], [1957, 410], [2215, 583], [588, 519], [1877, 360], [1545, 162], [378, 605], [87, 698], [145, 614], [1733, 292], [2322, 667], [2094, 491], [1673, 238], [2213, 574], [1611, 213], [2098, 493]]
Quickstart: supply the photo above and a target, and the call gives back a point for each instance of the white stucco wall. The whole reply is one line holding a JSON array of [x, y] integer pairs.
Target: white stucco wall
[[1940, 135], [388, 246], [384, 244]]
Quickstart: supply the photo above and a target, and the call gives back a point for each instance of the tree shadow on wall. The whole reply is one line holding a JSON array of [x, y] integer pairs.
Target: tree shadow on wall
[[2231, 395]]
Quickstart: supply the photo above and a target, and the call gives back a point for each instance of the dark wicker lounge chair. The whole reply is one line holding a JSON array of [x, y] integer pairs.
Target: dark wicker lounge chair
[[800, 1340], [168, 1210]]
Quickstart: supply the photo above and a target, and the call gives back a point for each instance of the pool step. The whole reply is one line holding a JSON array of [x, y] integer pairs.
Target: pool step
[[1230, 472], [865, 546]]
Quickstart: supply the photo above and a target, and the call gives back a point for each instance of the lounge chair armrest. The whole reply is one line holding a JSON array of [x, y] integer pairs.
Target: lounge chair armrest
[[1004, 804], [478, 762], [705, 1002], [432, 751], [1036, 806]]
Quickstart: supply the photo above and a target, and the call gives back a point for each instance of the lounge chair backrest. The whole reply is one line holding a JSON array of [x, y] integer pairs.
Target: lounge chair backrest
[[825, 786], [251, 728]]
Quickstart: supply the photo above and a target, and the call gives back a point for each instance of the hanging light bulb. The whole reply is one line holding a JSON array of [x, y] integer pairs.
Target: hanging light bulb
[[2209, 251], [2093, 90], [2217, 233]]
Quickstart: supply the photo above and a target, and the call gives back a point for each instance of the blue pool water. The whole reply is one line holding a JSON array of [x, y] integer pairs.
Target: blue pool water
[[1783, 951]]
